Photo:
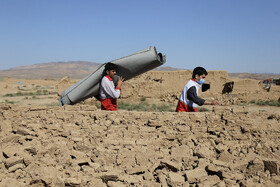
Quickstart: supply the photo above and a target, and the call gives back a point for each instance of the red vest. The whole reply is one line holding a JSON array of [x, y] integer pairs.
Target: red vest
[[182, 107]]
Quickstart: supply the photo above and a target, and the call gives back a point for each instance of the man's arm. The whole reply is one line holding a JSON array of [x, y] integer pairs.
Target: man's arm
[[191, 95], [109, 88], [214, 102]]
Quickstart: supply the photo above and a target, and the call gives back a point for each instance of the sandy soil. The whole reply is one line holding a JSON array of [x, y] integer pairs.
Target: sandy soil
[[236, 144]]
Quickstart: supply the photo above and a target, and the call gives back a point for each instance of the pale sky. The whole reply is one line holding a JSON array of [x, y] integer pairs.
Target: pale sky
[[232, 35]]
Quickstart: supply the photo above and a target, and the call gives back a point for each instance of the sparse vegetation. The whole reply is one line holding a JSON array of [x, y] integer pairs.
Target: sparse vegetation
[[9, 95], [98, 105], [143, 99], [144, 106], [163, 107], [265, 103], [252, 101], [38, 92], [202, 109], [9, 102]]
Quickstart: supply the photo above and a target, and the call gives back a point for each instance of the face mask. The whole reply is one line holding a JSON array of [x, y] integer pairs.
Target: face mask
[[201, 81]]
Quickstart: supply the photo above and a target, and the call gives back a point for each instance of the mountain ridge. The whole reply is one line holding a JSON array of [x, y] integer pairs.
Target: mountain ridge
[[80, 69]]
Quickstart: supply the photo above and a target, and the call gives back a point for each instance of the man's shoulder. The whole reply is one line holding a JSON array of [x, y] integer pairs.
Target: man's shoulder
[[105, 80], [190, 83]]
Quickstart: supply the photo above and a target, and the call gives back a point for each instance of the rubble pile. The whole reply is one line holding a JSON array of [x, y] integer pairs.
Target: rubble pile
[[83, 146]]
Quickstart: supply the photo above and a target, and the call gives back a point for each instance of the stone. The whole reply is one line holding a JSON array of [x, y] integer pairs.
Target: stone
[[271, 166], [24, 132], [13, 161], [27, 160], [72, 181], [213, 168], [16, 167], [230, 175], [221, 148], [255, 166], [131, 179], [204, 151], [221, 184], [142, 159], [196, 175], [203, 163], [165, 163], [162, 179], [115, 184], [8, 182], [211, 180], [31, 150], [171, 165], [226, 157], [110, 176], [135, 171], [181, 151], [220, 163], [175, 178], [96, 182], [153, 123], [230, 182], [148, 176], [11, 150], [276, 180]]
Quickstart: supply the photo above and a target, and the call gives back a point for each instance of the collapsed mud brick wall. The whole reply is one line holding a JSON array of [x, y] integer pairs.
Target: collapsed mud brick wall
[[83, 146]]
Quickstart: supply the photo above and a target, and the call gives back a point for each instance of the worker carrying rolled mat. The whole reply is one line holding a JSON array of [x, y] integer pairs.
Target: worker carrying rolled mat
[[126, 67]]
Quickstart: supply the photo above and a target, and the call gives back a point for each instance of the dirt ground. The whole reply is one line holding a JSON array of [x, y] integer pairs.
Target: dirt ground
[[43, 144]]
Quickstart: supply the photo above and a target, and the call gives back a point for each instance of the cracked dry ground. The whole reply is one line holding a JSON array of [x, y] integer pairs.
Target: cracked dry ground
[[83, 146]]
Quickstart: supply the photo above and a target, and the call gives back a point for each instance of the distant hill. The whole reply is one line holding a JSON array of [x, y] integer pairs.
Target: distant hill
[[58, 70], [80, 69], [52, 70], [257, 76]]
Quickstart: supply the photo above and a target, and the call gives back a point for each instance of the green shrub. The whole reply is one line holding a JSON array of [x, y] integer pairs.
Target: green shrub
[[19, 94], [143, 99], [253, 102], [138, 107], [261, 103], [266, 103], [9, 95]]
